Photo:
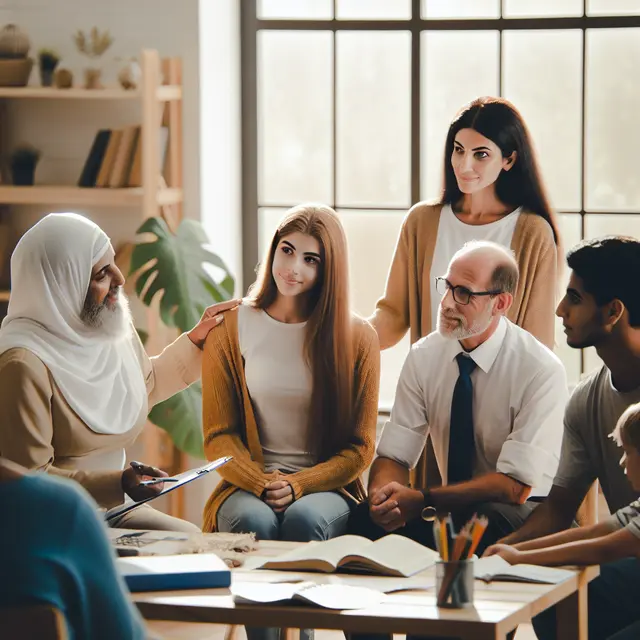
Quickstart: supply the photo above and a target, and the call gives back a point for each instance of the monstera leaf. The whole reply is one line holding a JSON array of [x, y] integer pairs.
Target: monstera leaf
[[181, 417], [176, 265]]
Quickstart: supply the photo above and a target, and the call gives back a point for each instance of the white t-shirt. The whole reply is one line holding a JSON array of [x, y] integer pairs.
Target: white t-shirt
[[280, 384], [453, 234]]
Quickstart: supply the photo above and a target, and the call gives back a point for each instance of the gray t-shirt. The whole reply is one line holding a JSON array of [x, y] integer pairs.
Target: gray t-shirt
[[588, 453], [628, 518]]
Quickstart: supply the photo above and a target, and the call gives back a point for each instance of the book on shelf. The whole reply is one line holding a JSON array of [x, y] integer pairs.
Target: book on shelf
[[498, 569], [135, 175], [109, 157], [392, 555], [328, 596], [124, 157], [93, 162]]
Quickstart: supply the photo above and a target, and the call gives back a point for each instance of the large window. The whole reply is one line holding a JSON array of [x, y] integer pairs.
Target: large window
[[348, 102]]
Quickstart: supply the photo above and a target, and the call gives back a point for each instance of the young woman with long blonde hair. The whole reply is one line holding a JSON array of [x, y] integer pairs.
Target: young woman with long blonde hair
[[290, 390]]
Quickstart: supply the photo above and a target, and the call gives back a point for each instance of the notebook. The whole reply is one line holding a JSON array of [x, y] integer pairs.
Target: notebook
[[497, 568], [169, 573]]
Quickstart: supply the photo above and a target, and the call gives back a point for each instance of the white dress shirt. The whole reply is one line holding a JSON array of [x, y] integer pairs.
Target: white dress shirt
[[519, 396]]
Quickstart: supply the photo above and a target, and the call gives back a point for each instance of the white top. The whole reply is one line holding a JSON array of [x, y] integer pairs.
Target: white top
[[99, 376], [453, 234], [279, 383], [519, 396]]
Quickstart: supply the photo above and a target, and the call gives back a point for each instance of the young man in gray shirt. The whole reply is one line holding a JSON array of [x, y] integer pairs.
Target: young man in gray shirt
[[601, 308]]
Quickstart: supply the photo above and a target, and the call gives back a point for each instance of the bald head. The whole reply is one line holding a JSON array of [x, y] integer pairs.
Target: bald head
[[493, 266]]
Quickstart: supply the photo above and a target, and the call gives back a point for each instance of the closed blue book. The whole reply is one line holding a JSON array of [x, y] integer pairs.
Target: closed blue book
[[172, 573]]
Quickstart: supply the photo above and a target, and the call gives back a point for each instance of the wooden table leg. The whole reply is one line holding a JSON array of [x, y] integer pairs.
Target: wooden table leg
[[573, 615], [291, 634]]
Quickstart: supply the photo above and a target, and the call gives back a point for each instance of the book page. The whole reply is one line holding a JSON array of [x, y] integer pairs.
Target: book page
[[328, 596], [329, 551], [401, 555], [497, 568], [340, 596]]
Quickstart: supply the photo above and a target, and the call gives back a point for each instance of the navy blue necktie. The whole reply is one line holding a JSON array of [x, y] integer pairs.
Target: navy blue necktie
[[461, 439]]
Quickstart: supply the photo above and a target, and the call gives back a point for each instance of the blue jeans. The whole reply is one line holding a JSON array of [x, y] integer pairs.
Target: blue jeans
[[613, 605], [317, 516]]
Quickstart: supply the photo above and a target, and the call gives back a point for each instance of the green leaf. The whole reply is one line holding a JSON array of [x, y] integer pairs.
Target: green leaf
[[172, 266], [177, 271], [181, 417]]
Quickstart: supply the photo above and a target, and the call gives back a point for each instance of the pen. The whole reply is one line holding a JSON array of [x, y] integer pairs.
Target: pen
[[147, 483]]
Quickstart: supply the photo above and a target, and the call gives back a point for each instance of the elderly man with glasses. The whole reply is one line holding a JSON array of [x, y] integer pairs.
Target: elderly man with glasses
[[491, 397]]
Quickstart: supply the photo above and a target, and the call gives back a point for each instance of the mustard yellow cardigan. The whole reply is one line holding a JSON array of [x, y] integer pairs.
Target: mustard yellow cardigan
[[406, 303], [230, 426]]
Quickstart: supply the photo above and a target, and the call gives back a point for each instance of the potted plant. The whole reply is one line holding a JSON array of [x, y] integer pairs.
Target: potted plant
[[48, 60], [15, 63], [23, 161], [92, 45], [178, 268]]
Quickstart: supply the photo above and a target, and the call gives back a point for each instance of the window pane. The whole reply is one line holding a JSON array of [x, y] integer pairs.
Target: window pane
[[317, 9], [612, 7], [373, 9], [541, 8], [612, 126], [471, 70], [547, 89], [373, 118], [460, 8], [570, 229], [268, 220], [295, 124], [375, 233]]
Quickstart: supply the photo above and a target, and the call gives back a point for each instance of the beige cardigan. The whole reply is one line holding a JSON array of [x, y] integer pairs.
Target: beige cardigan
[[406, 303], [39, 430], [230, 426]]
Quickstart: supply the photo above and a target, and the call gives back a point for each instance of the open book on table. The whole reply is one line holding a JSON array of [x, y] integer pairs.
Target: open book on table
[[329, 596], [392, 555], [497, 568]]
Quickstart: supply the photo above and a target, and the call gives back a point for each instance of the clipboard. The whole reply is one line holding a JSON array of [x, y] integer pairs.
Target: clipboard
[[182, 478]]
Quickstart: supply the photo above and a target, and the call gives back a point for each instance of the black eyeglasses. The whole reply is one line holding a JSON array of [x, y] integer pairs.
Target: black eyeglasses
[[461, 295]]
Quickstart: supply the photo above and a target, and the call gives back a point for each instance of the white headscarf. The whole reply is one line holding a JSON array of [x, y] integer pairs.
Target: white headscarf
[[99, 376]]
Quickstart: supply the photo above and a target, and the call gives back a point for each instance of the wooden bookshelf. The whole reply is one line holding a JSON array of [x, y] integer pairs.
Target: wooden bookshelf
[[86, 196], [160, 98], [164, 93]]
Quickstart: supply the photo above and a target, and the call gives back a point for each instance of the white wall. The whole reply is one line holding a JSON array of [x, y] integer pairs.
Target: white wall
[[205, 34]]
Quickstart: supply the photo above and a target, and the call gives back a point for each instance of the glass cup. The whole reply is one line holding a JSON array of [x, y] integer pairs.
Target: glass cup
[[454, 584]]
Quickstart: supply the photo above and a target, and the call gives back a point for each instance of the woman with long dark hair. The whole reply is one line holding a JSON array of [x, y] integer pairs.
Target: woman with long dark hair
[[290, 390], [492, 191]]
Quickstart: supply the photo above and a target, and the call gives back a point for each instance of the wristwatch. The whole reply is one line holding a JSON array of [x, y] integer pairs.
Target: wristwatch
[[428, 511]]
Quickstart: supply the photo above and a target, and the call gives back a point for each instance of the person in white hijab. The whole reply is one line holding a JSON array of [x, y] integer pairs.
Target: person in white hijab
[[76, 384]]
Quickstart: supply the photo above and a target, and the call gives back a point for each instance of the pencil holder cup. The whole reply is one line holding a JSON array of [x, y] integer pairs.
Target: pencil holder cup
[[454, 584]]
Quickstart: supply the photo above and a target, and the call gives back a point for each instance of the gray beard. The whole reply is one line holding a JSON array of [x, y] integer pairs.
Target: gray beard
[[112, 323], [461, 332]]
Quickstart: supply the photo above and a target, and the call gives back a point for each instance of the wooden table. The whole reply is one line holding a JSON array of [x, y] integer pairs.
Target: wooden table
[[499, 607]]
